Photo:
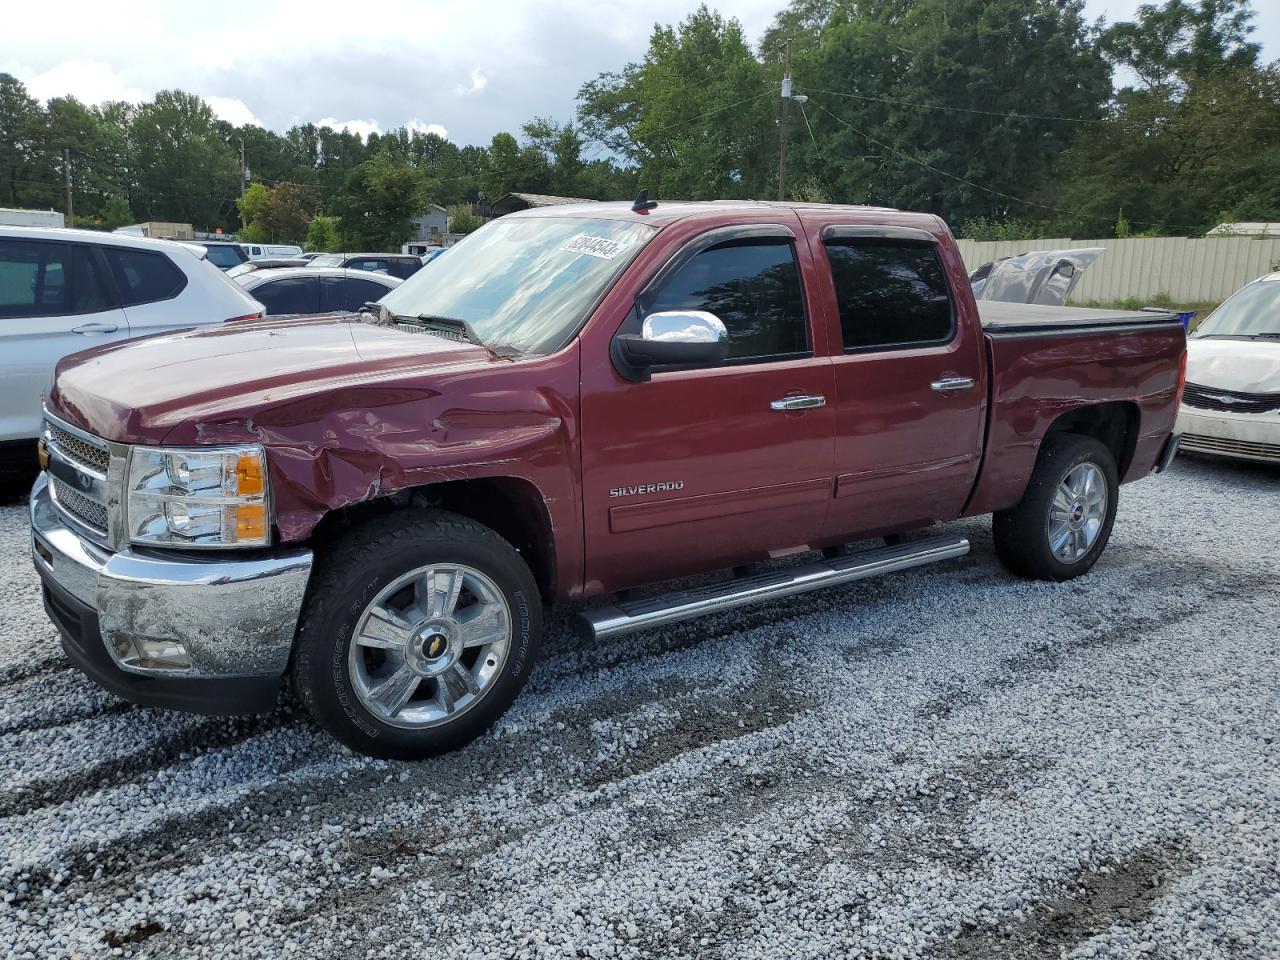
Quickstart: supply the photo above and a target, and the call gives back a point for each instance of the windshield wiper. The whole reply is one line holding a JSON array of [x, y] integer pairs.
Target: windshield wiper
[[450, 324]]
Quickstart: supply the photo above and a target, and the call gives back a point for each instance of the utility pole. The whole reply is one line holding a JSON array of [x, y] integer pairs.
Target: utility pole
[[243, 171], [66, 170], [782, 127]]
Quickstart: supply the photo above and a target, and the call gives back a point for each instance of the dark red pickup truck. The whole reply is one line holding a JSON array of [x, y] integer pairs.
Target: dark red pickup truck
[[571, 403]]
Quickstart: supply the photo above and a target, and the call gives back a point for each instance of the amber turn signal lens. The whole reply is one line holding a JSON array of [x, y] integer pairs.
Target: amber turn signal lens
[[42, 454], [248, 475], [251, 522]]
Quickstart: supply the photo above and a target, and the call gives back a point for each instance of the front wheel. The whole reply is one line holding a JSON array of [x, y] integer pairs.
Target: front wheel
[[1062, 524], [419, 632]]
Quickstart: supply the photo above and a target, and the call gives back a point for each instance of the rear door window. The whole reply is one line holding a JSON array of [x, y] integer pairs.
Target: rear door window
[[405, 267], [350, 293], [144, 276], [890, 293], [49, 279], [753, 286], [288, 295]]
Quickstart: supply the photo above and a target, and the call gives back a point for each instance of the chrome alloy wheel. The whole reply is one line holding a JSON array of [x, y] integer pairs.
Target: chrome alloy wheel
[[429, 646], [1077, 513]]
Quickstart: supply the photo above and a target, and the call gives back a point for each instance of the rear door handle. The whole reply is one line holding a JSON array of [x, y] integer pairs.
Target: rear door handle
[[91, 328], [947, 384], [807, 402]]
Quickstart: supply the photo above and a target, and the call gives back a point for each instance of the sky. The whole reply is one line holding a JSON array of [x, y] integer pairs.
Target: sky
[[465, 70]]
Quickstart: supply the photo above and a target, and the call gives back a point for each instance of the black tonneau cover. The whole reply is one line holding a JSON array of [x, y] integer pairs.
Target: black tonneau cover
[[1000, 318]]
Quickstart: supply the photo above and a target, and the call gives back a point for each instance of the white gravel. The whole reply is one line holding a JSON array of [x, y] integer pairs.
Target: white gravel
[[947, 764]]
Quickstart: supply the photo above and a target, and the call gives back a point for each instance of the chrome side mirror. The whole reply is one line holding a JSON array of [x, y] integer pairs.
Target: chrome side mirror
[[671, 338]]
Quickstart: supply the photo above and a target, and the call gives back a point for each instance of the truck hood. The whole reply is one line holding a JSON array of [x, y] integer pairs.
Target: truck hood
[[139, 390], [1246, 366]]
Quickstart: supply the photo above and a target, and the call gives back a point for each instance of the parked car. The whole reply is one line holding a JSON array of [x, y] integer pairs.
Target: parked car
[[399, 265], [65, 290], [311, 255], [590, 399], [266, 251], [315, 289], [266, 263], [1231, 407], [223, 254]]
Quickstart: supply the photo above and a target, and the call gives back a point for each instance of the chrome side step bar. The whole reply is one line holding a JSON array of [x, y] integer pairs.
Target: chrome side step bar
[[632, 615]]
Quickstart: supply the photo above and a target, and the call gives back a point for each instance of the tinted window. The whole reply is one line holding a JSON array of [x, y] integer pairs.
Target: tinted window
[[889, 292], [143, 276], [370, 265], [405, 268], [350, 293], [224, 255], [753, 286], [289, 295], [48, 279]]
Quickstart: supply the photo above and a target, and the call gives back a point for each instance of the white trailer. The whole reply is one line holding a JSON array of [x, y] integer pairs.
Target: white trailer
[[9, 217]]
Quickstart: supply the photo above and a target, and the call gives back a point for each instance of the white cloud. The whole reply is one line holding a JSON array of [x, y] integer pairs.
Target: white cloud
[[235, 112], [418, 126], [479, 80], [89, 81], [361, 127]]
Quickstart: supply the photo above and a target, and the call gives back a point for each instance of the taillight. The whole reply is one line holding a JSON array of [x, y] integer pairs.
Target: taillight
[[248, 316], [1182, 378]]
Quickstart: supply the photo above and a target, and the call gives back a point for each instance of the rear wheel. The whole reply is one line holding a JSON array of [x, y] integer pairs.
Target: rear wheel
[[1062, 524], [417, 636]]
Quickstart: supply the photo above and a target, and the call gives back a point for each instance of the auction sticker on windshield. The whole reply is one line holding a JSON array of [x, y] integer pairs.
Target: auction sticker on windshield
[[594, 246]]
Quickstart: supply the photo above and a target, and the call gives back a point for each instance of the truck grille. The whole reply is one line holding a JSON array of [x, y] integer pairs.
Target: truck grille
[[80, 452], [89, 512], [79, 465], [1198, 443], [1229, 401]]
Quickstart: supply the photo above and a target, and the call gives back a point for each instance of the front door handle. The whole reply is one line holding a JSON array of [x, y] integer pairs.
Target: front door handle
[[948, 384], [91, 328], [807, 402]]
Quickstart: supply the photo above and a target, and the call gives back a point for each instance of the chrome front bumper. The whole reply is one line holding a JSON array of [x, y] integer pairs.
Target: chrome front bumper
[[235, 616]]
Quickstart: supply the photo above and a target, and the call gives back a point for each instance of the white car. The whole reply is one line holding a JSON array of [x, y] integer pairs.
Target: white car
[[265, 251], [293, 290], [62, 291], [1231, 406]]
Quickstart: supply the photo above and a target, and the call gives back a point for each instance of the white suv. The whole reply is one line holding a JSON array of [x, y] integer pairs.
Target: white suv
[[66, 290]]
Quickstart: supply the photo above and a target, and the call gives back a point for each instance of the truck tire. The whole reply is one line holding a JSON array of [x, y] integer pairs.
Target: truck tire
[[419, 630], [1062, 524]]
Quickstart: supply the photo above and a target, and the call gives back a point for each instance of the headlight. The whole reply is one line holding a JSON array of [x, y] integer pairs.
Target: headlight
[[198, 497]]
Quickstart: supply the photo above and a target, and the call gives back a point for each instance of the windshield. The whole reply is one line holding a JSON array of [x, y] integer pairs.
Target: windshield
[[523, 283], [327, 261], [1252, 311]]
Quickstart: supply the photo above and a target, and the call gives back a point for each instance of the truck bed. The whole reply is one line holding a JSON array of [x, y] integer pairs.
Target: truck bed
[[1000, 318]]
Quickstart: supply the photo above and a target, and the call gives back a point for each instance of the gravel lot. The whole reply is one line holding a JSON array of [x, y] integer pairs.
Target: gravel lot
[[947, 764]]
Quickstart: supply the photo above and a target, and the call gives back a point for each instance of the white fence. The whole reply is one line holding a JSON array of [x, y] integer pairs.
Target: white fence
[[1187, 270]]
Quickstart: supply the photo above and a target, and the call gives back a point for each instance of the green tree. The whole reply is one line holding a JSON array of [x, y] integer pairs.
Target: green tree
[[184, 170], [23, 182], [278, 214], [115, 212], [1196, 139], [463, 220], [1177, 40], [951, 106], [322, 234], [377, 201], [694, 116]]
